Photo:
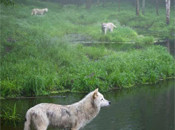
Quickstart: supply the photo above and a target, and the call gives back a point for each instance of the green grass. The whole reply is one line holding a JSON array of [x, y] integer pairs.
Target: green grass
[[37, 57], [149, 24], [67, 20], [9, 114]]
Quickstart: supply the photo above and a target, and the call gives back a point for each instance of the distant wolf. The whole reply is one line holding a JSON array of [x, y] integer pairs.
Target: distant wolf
[[73, 117], [107, 26], [39, 11]]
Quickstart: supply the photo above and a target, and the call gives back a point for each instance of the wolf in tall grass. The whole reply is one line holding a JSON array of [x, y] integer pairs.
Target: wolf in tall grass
[[39, 11], [74, 116], [107, 26]]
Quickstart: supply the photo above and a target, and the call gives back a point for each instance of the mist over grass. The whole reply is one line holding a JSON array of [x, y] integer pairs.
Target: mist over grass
[[38, 57]]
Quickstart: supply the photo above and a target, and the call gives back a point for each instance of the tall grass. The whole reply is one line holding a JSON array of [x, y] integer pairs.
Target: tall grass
[[10, 114], [81, 68], [123, 69], [38, 58]]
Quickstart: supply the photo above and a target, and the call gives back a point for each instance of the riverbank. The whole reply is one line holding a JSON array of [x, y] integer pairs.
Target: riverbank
[[126, 104], [39, 56]]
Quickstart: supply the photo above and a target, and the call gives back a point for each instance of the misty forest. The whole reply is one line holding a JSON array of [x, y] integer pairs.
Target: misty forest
[[57, 51]]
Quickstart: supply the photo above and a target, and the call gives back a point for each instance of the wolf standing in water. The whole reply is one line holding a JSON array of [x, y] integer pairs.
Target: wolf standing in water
[[72, 117], [107, 26]]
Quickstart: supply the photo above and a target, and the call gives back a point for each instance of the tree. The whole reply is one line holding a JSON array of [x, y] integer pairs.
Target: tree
[[167, 2], [143, 7], [88, 4], [119, 5], [137, 7], [7, 2], [98, 2], [157, 7]]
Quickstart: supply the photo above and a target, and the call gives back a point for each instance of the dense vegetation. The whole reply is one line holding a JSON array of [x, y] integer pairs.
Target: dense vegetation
[[39, 55], [10, 114]]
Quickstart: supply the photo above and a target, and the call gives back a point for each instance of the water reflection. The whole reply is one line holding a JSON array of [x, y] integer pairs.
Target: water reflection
[[170, 44], [145, 108], [149, 107]]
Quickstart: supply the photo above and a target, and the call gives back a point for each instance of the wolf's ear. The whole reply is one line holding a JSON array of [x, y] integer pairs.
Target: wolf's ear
[[96, 90], [95, 94]]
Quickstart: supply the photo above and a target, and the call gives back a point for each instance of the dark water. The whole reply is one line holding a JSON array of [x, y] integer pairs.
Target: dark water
[[169, 44], [149, 107]]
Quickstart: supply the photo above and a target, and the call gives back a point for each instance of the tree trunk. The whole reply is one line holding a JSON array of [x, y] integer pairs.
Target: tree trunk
[[143, 7], [137, 7], [103, 3], [157, 7], [119, 5], [98, 2], [168, 45], [167, 11], [88, 4]]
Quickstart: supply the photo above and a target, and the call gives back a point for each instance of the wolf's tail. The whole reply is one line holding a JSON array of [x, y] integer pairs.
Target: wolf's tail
[[27, 121]]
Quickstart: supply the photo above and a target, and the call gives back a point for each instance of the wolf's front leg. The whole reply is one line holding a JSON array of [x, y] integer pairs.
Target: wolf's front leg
[[111, 30], [105, 30]]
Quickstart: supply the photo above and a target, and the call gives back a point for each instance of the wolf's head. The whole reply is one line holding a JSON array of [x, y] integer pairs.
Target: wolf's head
[[99, 99]]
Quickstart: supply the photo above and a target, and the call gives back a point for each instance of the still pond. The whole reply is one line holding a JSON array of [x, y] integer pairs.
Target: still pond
[[145, 107]]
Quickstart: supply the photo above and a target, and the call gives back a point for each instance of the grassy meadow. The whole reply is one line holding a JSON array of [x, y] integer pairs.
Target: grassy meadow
[[46, 54]]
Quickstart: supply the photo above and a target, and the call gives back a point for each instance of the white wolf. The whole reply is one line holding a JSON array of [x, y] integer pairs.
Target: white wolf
[[72, 117], [107, 26], [39, 11]]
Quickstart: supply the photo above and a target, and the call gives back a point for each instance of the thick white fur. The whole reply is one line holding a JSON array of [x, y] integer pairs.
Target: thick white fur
[[39, 11], [73, 116], [107, 26]]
